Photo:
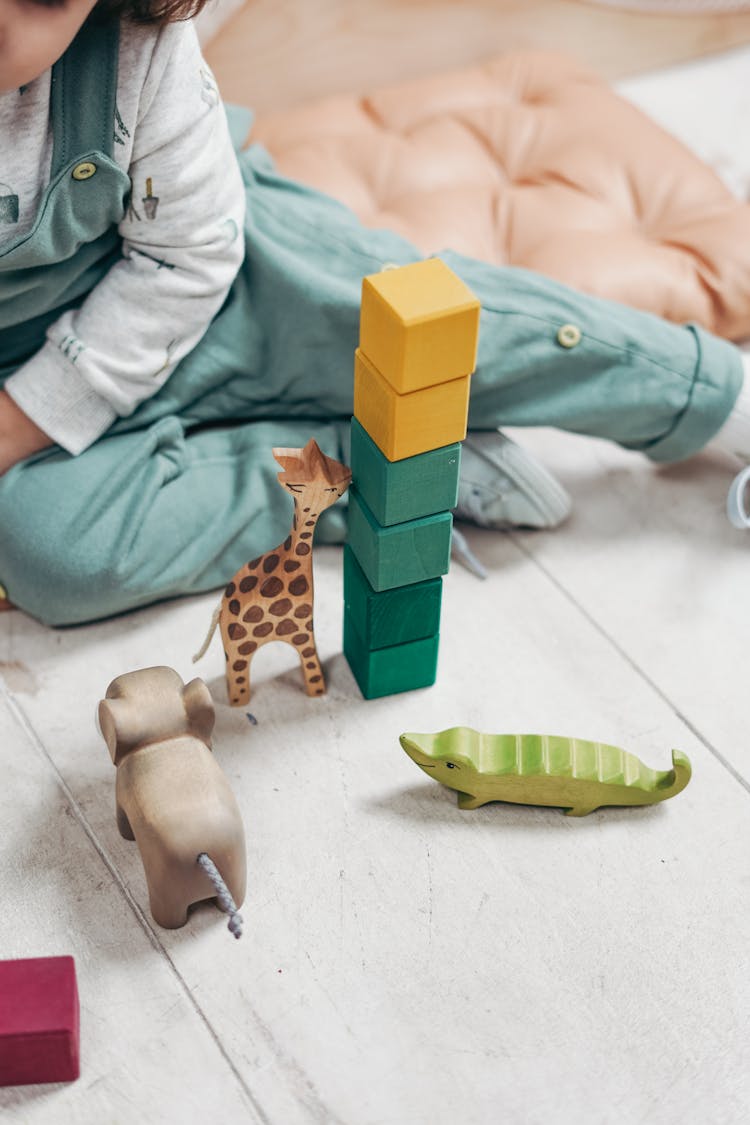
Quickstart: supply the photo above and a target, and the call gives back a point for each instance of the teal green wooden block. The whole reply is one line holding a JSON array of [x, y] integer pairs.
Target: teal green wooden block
[[386, 671], [397, 491], [402, 554], [392, 617]]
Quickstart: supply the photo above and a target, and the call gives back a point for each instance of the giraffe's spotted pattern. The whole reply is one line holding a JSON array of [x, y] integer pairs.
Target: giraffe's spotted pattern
[[272, 587], [270, 598]]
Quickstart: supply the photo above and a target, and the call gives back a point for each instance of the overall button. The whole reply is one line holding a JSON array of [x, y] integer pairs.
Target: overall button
[[84, 171], [569, 335]]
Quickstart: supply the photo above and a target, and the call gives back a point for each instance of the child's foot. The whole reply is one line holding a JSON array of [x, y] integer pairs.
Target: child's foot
[[502, 485], [736, 506], [734, 438]]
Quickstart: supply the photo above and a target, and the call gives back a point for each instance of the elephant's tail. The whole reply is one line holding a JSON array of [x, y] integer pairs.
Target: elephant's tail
[[674, 781], [212, 629], [223, 894]]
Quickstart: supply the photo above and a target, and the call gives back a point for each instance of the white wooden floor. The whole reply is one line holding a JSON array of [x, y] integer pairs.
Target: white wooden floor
[[405, 963]]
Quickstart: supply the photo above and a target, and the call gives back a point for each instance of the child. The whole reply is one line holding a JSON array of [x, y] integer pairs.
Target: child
[[169, 313]]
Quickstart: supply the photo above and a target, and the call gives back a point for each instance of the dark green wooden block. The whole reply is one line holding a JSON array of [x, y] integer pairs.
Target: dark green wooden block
[[404, 553], [392, 617], [397, 491], [386, 671]]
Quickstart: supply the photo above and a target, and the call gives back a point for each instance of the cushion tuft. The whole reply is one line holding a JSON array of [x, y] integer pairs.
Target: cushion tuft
[[530, 160]]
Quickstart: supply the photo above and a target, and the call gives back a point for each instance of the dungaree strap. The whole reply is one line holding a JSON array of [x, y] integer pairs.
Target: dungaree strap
[[84, 88]]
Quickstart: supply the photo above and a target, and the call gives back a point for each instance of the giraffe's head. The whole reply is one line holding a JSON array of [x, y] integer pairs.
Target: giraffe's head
[[314, 480]]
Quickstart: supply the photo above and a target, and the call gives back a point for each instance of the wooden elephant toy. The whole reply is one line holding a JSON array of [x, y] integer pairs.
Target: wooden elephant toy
[[171, 796]]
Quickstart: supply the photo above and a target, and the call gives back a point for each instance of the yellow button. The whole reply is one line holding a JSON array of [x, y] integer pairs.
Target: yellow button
[[84, 171], [569, 335]]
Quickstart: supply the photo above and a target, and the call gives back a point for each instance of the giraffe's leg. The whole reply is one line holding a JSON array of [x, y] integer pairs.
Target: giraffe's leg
[[312, 671], [238, 652], [238, 677]]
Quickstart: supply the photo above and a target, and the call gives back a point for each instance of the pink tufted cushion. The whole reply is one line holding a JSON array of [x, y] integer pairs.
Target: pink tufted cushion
[[530, 160]]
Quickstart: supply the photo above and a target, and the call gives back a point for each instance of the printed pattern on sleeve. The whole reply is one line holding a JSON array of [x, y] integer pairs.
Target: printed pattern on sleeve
[[182, 244]]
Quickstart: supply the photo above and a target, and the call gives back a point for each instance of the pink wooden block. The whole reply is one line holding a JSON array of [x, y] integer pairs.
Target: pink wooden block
[[39, 1021]]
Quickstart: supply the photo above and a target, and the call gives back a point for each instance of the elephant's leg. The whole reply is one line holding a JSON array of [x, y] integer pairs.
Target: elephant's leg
[[169, 905], [124, 824]]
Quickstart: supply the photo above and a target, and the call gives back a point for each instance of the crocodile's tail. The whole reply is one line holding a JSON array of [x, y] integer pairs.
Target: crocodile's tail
[[211, 630], [674, 781]]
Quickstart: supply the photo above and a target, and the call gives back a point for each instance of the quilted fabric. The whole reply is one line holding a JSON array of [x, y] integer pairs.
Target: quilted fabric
[[531, 160]]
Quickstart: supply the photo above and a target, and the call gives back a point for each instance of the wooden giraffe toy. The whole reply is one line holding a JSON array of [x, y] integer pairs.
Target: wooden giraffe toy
[[271, 598]]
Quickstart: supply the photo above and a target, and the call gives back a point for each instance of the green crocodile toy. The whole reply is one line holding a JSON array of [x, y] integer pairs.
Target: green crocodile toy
[[540, 769]]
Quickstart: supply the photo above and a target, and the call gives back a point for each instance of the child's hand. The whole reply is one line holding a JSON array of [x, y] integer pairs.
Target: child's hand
[[19, 436]]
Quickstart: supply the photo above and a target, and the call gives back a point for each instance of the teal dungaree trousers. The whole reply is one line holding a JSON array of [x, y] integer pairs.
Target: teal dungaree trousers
[[174, 498]]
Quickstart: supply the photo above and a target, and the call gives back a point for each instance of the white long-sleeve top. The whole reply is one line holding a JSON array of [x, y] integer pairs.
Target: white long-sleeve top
[[181, 249]]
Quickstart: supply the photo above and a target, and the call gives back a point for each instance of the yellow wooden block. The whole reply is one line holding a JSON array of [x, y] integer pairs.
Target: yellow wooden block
[[405, 425], [419, 325]]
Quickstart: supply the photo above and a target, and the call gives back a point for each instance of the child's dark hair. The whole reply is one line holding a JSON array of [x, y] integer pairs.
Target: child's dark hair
[[151, 11]]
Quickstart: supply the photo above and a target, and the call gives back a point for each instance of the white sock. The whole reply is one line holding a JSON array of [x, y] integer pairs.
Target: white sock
[[734, 435]]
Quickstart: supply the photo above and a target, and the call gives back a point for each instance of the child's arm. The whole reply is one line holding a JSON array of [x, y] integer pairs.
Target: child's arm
[[183, 242]]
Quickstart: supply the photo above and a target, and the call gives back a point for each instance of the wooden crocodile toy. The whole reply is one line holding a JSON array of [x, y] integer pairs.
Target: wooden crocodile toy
[[539, 769]]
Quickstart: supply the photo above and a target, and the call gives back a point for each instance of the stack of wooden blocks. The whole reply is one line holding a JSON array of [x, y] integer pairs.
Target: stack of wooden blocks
[[418, 342]]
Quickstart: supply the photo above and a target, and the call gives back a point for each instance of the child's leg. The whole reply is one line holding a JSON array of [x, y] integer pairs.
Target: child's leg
[[551, 356], [548, 356], [147, 515]]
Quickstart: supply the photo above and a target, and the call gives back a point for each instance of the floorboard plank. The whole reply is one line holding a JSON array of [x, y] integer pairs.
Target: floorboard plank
[[140, 1034], [275, 53], [407, 961], [650, 555]]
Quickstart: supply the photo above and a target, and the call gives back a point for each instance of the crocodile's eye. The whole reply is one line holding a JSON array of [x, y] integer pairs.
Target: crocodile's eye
[[450, 765]]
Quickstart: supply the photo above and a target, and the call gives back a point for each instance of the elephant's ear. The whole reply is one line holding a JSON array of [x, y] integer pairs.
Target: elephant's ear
[[111, 719], [199, 707]]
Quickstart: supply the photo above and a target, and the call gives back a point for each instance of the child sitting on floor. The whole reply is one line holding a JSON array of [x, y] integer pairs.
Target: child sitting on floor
[[170, 311]]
